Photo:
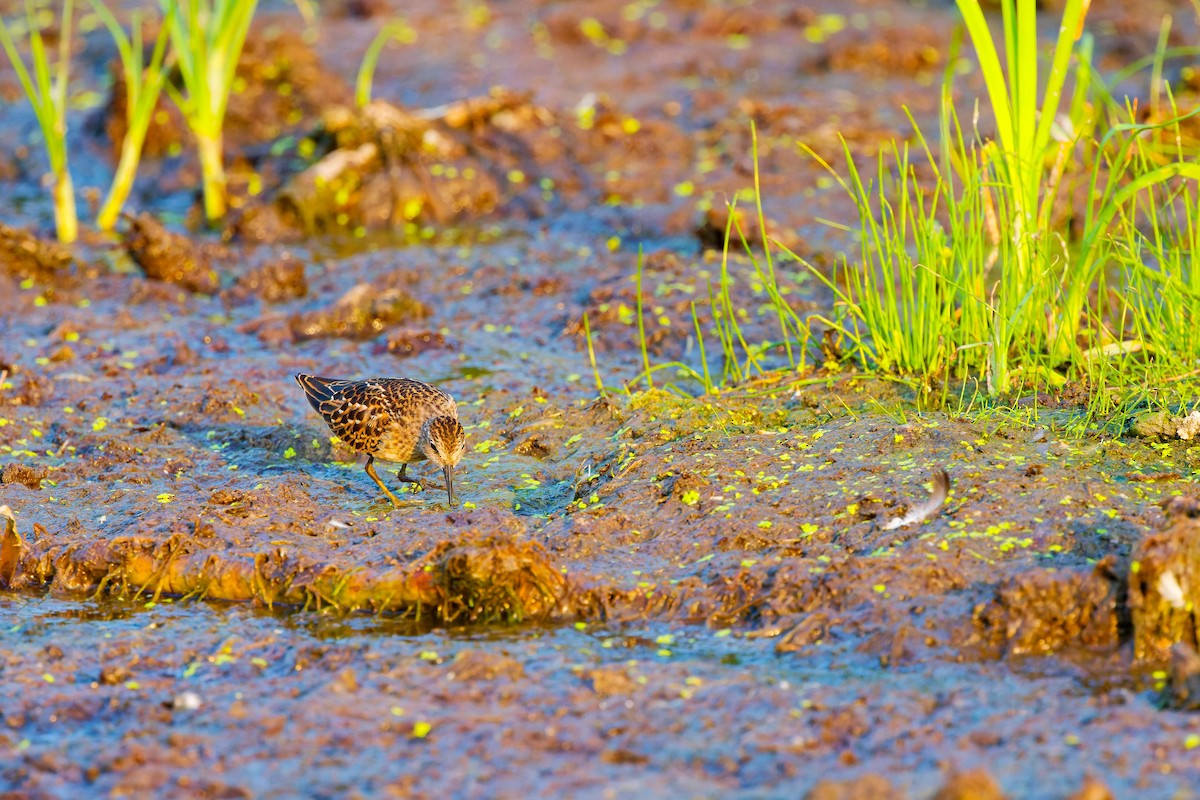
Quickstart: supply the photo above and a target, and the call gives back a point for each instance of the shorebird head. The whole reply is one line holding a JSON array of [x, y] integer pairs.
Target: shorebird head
[[443, 442]]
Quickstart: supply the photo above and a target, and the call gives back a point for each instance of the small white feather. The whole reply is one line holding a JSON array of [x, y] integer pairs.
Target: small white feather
[[1170, 590], [923, 511]]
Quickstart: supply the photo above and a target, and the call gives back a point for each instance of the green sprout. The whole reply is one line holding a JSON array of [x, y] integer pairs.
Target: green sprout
[[207, 39], [144, 84], [48, 97], [397, 29], [587, 332], [641, 322]]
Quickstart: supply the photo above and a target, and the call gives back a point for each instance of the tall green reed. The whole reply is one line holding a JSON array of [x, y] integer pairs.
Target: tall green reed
[[143, 86], [207, 38], [970, 268], [46, 90]]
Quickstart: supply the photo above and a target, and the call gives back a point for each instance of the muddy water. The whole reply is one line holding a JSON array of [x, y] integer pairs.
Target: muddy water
[[106, 695], [637, 594]]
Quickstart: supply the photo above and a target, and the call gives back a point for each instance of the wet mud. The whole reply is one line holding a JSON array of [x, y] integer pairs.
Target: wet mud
[[641, 591]]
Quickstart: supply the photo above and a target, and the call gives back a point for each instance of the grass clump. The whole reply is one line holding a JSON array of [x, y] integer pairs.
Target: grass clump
[[970, 269], [1064, 247], [46, 90], [207, 38], [144, 83]]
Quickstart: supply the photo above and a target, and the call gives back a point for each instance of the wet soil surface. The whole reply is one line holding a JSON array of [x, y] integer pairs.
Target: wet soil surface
[[638, 593], [235, 702]]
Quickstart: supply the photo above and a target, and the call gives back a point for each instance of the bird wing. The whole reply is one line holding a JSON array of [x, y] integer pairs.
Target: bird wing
[[425, 400], [356, 411]]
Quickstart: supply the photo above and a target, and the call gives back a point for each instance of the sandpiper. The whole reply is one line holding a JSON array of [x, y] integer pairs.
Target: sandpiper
[[394, 419]]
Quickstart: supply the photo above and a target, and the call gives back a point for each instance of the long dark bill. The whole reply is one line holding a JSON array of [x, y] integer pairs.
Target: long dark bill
[[449, 473]]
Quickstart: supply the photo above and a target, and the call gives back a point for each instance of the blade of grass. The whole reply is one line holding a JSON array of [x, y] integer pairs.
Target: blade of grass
[[207, 40], [708, 384], [772, 285], [47, 97], [587, 332], [144, 84], [641, 322], [397, 30]]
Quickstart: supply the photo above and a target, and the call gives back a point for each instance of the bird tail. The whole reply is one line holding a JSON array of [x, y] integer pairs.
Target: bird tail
[[318, 390]]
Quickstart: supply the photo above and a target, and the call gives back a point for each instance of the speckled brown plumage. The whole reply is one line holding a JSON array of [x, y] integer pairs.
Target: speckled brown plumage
[[394, 419]]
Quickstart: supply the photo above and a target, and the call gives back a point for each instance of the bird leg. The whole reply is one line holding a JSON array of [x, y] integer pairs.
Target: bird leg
[[371, 471], [402, 475]]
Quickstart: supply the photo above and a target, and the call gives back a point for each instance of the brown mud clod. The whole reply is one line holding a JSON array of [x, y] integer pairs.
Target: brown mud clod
[[976, 784], [23, 255], [381, 173], [1183, 679], [496, 578], [363, 312], [867, 787], [11, 549], [276, 281], [1044, 611], [1165, 425], [410, 342], [483, 665], [29, 477], [1164, 584], [28, 390], [384, 167], [169, 257], [34, 269]]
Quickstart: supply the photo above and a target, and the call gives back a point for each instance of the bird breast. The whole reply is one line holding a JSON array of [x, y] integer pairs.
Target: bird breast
[[400, 443]]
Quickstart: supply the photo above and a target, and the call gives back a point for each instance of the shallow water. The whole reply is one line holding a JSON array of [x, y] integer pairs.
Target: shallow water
[[303, 704]]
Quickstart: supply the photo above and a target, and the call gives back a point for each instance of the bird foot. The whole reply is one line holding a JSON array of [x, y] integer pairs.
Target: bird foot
[[420, 484]]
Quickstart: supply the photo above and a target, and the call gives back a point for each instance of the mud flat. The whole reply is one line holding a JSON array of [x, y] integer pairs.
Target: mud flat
[[640, 592]]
